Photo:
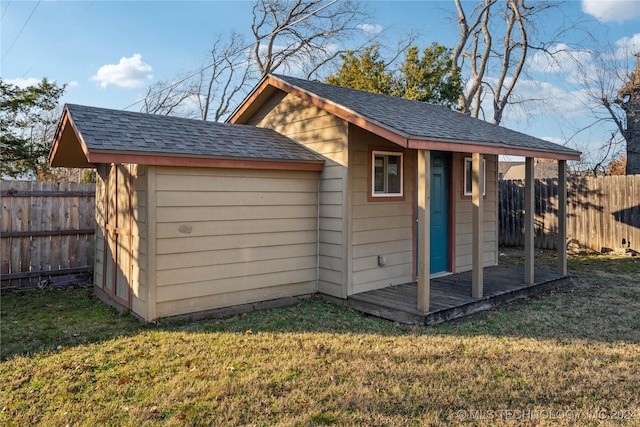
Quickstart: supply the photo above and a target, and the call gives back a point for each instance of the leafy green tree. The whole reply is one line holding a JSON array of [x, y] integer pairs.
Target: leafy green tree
[[365, 71], [27, 124], [429, 78], [426, 75]]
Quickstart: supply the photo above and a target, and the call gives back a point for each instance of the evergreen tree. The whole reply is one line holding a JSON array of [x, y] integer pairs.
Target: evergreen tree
[[427, 77], [27, 124]]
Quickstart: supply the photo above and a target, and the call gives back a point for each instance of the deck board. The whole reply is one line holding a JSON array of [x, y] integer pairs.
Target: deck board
[[450, 296]]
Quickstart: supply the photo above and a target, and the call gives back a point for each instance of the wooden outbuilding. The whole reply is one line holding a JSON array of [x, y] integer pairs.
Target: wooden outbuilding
[[309, 188], [194, 215]]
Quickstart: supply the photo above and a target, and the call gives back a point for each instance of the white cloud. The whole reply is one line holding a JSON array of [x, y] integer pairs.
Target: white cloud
[[533, 99], [559, 59], [73, 83], [129, 72], [611, 10], [628, 46], [23, 83], [370, 28]]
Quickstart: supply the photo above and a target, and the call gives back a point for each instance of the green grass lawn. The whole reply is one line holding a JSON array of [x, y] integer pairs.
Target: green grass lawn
[[571, 358]]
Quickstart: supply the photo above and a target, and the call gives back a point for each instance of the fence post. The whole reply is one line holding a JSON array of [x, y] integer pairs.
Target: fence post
[[562, 217]]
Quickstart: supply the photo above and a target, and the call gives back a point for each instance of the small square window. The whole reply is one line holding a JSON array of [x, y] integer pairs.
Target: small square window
[[467, 176], [386, 174]]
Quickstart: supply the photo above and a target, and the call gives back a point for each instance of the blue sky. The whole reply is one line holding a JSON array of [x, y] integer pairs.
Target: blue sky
[[109, 52]]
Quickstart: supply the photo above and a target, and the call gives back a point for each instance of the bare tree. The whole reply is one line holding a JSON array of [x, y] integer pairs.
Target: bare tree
[[627, 117], [303, 34], [228, 76], [492, 48], [612, 89], [301, 37], [167, 98]]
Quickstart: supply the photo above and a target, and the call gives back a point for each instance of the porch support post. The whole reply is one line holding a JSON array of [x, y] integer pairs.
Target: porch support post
[[424, 228], [529, 211], [562, 217], [477, 184]]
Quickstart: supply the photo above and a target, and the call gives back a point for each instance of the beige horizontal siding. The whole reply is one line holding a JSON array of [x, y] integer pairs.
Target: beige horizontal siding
[[379, 227], [369, 251], [378, 223], [326, 135], [240, 268], [209, 302], [261, 181], [199, 289], [234, 227], [227, 237], [169, 214], [174, 260], [235, 241], [236, 198], [362, 264]]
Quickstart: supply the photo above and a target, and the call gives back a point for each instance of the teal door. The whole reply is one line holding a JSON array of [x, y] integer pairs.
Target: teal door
[[440, 164]]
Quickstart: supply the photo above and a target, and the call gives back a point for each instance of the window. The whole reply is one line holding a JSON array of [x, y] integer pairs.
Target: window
[[467, 176], [386, 174]]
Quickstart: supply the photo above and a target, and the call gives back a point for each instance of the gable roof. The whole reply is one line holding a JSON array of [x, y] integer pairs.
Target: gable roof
[[411, 124], [87, 136]]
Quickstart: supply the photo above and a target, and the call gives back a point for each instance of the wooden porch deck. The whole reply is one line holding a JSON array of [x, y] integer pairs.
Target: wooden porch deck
[[450, 296]]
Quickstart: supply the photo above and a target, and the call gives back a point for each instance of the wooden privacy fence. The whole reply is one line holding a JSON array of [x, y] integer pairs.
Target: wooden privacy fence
[[47, 231], [603, 213]]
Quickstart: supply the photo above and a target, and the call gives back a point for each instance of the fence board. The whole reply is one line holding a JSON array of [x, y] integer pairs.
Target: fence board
[[35, 214], [5, 224], [46, 229], [601, 212]]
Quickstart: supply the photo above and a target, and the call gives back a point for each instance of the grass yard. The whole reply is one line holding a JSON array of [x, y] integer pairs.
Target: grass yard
[[567, 358]]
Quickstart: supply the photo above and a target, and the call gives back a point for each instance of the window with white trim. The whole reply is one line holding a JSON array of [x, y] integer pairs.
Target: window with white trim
[[468, 164], [386, 174]]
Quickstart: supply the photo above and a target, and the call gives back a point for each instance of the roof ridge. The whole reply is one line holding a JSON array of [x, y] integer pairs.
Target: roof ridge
[[422, 121]]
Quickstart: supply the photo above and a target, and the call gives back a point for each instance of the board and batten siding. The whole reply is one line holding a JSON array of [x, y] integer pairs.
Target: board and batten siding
[[327, 135], [379, 227], [233, 236], [100, 212], [463, 215], [131, 267]]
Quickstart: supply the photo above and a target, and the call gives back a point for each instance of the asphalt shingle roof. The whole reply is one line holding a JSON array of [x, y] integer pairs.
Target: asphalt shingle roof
[[106, 130], [420, 120]]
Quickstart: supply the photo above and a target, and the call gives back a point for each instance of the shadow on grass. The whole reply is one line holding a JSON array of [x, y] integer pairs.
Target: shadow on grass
[[601, 305], [37, 321], [42, 320]]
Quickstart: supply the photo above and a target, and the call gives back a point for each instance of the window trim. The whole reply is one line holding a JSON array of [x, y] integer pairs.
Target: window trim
[[384, 197], [469, 160]]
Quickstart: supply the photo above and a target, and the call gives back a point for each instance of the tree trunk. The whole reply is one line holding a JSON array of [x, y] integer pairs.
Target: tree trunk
[[630, 103], [633, 135]]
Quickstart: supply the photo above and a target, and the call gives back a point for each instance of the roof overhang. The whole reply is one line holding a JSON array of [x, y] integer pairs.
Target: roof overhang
[[70, 150], [270, 84], [468, 147], [161, 159]]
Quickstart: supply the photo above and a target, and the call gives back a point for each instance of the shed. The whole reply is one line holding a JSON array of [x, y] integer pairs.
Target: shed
[[409, 189], [194, 215], [309, 188]]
